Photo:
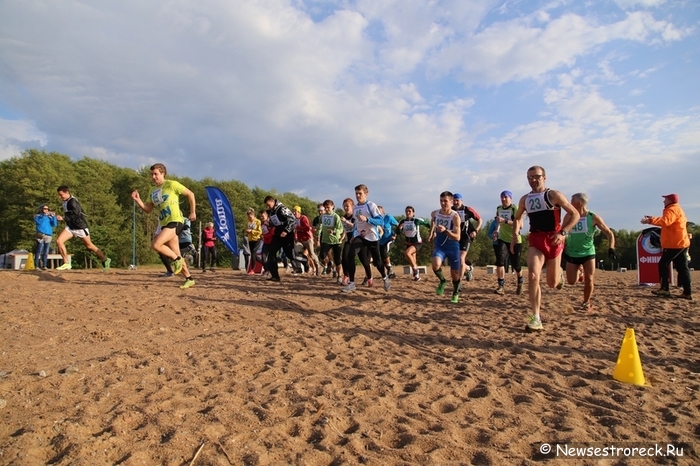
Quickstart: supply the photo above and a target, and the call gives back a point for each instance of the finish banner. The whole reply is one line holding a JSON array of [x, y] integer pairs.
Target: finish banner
[[648, 257], [224, 223]]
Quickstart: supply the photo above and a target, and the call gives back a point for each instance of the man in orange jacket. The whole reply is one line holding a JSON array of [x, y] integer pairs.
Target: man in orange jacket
[[674, 244]]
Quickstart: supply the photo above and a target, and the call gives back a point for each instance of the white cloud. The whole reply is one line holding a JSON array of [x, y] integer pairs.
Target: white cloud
[[626, 4], [521, 48], [318, 96], [17, 135]]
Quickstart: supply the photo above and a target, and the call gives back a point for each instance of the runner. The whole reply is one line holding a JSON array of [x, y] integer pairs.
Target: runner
[[410, 227], [579, 250], [332, 237], [305, 235], [543, 207], [284, 222], [268, 232], [387, 239], [445, 229], [366, 236], [165, 198], [76, 227], [505, 219], [467, 233], [348, 221]]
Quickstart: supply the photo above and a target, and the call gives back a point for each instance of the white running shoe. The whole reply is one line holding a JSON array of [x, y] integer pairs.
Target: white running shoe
[[349, 287]]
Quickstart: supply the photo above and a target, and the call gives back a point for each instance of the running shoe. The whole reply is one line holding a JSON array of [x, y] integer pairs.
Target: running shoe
[[66, 266], [364, 282], [500, 290], [470, 274], [349, 287], [519, 289], [689, 297], [586, 307], [273, 279], [251, 272], [188, 284], [106, 264], [441, 287], [166, 274], [346, 280], [369, 282], [560, 285], [387, 284], [662, 293], [177, 266], [339, 281], [392, 275], [416, 276], [455, 298], [534, 323]]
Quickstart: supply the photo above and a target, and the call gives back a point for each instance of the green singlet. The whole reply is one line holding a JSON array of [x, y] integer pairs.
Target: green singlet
[[579, 243]]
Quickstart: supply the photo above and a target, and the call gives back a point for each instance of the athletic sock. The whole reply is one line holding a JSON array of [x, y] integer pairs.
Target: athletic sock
[[501, 282], [438, 273]]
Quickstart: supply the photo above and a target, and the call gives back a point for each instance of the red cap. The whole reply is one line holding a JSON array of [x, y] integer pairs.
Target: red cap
[[671, 197]]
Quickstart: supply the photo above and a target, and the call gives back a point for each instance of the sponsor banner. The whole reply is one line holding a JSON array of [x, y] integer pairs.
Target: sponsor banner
[[648, 257], [224, 223]]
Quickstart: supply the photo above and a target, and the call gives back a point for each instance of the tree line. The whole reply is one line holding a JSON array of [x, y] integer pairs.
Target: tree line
[[104, 191]]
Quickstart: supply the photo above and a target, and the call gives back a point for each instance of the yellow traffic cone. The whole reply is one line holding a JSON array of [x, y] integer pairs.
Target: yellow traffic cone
[[629, 366], [29, 265]]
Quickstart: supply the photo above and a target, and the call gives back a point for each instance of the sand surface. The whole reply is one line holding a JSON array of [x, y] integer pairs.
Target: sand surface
[[125, 368]]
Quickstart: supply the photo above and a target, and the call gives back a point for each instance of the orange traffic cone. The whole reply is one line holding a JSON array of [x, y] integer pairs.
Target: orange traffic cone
[[629, 366]]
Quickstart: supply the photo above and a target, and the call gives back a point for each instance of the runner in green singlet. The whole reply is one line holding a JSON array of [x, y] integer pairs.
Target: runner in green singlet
[[579, 250]]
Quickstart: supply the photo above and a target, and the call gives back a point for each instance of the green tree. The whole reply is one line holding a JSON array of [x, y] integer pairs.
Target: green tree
[[104, 191], [29, 181]]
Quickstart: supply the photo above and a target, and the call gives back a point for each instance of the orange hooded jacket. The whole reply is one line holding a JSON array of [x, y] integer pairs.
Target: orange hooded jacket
[[674, 231]]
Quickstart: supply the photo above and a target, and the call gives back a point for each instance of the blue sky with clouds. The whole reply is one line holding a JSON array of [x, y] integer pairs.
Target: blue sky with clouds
[[410, 97]]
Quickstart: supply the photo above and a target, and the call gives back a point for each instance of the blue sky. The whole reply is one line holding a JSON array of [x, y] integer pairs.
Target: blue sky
[[409, 97]]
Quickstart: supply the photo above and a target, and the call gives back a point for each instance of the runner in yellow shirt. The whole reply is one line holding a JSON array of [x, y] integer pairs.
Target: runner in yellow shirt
[[165, 198]]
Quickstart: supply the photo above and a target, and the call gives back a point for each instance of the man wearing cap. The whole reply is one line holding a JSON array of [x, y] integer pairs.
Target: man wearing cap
[[305, 236], [547, 234], [674, 244], [504, 236], [467, 233]]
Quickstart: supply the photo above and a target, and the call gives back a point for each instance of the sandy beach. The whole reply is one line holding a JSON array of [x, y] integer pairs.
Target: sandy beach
[[125, 368]]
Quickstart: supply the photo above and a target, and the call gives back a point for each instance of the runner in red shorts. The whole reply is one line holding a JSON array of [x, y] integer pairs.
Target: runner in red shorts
[[547, 235]]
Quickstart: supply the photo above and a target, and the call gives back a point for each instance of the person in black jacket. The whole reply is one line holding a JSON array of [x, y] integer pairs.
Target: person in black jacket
[[76, 227], [282, 218]]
